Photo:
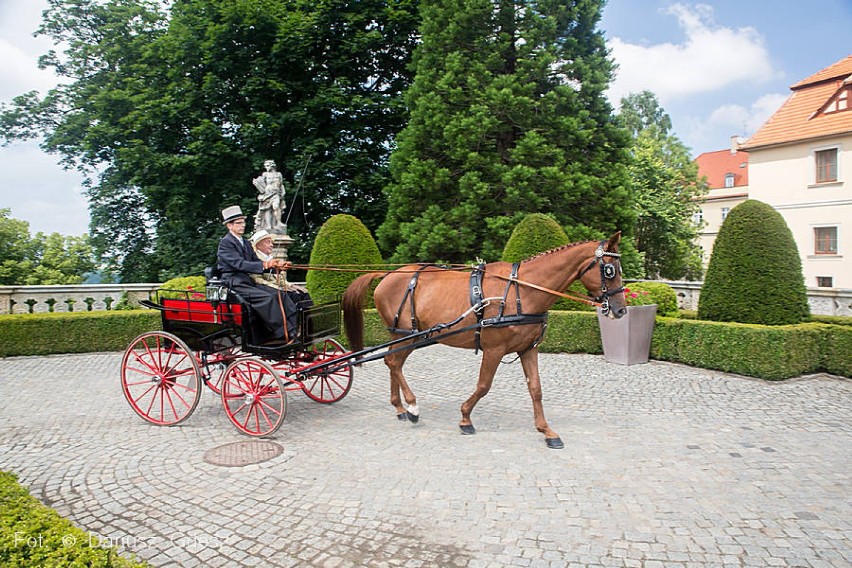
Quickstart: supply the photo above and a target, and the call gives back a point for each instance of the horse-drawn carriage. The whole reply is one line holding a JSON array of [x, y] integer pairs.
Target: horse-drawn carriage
[[218, 340], [498, 308]]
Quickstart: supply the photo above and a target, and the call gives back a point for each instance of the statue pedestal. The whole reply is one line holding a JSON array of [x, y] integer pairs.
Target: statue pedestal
[[280, 244]]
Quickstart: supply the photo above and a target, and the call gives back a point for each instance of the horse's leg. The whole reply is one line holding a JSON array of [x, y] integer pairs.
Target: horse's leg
[[490, 362], [399, 387], [529, 361]]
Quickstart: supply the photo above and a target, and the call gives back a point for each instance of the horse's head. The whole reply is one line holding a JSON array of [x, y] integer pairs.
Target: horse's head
[[602, 278]]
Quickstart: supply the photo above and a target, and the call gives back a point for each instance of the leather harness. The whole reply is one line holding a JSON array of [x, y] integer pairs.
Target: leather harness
[[478, 303]]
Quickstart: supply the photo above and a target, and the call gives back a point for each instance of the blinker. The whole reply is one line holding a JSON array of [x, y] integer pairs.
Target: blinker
[[609, 271]]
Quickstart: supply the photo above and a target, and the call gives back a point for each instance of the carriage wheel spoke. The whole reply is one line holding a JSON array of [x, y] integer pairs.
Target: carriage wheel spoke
[[253, 397], [160, 378]]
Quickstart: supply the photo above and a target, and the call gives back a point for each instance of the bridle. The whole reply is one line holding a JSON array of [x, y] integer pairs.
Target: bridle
[[609, 270]]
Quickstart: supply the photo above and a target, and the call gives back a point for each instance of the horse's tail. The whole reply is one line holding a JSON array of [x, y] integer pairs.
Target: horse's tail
[[353, 309]]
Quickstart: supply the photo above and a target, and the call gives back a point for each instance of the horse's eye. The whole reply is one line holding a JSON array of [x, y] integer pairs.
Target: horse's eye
[[609, 271]]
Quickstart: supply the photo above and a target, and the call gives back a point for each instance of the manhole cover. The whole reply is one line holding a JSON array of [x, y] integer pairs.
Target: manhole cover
[[238, 454]]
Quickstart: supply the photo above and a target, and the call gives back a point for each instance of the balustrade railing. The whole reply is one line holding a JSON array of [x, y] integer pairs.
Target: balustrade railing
[[822, 301], [70, 298], [95, 297]]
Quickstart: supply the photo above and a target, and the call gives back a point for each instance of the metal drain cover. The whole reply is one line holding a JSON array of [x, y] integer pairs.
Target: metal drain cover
[[238, 454]]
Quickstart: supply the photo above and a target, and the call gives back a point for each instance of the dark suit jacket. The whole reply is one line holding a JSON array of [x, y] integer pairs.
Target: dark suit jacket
[[236, 259]]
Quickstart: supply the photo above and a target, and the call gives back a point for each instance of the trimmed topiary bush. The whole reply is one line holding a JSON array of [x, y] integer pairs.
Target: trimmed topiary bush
[[342, 241], [755, 273], [537, 233]]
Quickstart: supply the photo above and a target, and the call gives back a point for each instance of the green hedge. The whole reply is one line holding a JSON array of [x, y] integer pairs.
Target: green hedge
[[769, 352], [74, 332], [32, 534]]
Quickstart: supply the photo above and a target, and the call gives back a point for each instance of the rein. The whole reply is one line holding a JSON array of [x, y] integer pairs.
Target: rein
[[608, 272]]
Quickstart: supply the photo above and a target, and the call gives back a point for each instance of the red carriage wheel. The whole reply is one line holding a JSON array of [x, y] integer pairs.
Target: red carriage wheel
[[324, 386], [160, 378], [215, 365], [253, 397]]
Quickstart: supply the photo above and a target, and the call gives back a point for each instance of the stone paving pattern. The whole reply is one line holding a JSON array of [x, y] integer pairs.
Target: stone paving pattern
[[664, 466]]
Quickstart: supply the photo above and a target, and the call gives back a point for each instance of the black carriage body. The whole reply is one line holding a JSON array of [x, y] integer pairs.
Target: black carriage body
[[210, 326]]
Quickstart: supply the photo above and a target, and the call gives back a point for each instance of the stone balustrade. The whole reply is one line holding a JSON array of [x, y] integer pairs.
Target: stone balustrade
[[91, 297], [822, 301], [69, 298]]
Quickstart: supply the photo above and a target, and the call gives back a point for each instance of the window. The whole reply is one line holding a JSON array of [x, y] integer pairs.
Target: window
[[826, 165], [825, 240], [698, 217], [841, 101], [725, 211], [824, 281], [729, 180]]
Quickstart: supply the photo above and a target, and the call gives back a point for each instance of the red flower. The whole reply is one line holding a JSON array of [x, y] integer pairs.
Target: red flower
[[630, 297]]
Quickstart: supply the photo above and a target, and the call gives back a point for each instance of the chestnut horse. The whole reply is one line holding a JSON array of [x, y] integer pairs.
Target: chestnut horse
[[501, 308]]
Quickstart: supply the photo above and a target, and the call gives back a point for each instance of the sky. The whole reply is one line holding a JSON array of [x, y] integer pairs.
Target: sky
[[719, 68]]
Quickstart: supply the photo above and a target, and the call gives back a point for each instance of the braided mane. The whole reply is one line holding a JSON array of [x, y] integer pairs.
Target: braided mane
[[557, 249]]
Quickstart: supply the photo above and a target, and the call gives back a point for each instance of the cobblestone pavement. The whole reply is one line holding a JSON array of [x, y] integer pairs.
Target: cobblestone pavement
[[664, 465]]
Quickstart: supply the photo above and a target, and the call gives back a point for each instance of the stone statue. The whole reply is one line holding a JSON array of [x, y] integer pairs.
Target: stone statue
[[270, 187]]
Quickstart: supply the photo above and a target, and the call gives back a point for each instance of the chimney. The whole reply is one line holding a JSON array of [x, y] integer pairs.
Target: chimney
[[735, 141]]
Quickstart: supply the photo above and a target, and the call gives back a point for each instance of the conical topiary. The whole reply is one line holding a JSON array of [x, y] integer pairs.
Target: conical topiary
[[755, 273], [342, 241], [537, 233]]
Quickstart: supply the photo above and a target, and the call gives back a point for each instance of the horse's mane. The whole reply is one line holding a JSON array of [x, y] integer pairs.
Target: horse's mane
[[557, 249]]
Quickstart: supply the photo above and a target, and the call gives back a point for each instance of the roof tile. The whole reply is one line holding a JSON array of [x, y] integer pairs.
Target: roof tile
[[799, 117], [715, 165]]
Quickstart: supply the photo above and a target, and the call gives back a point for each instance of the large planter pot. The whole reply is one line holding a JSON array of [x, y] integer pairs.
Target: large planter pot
[[627, 340]]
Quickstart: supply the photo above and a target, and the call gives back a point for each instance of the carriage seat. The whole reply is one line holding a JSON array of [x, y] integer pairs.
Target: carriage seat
[[212, 273]]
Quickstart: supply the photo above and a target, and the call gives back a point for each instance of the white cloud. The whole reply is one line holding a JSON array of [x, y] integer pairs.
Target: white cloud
[[732, 119], [710, 58], [32, 185], [20, 73], [40, 192], [747, 120]]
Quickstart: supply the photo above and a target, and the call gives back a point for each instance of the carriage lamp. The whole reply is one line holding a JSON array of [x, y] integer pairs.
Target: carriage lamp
[[216, 291]]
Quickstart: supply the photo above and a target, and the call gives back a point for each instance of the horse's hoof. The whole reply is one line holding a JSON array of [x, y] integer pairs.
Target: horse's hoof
[[554, 443], [402, 416], [467, 429], [413, 418]]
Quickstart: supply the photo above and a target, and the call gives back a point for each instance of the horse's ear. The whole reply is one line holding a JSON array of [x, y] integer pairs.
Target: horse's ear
[[613, 241]]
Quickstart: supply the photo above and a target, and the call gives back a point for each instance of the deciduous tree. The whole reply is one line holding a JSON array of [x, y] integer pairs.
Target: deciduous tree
[[172, 112], [43, 259], [665, 189]]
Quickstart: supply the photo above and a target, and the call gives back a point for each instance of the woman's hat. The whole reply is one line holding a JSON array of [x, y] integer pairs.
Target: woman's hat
[[232, 213], [259, 236]]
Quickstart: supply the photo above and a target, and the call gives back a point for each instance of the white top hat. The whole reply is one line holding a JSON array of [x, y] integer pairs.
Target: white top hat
[[259, 236], [232, 213]]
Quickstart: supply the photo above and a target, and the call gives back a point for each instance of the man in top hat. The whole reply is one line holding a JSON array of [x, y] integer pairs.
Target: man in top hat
[[237, 261]]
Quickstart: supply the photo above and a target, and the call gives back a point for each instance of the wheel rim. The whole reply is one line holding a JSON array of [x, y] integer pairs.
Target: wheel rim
[[327, 387], [253, 397], [160, 378]]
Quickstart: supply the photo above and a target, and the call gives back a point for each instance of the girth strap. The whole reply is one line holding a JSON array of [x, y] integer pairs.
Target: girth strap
[[512, 281], [476, 298]]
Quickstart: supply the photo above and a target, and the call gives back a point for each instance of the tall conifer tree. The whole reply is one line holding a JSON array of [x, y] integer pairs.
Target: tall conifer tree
[[508, 117]]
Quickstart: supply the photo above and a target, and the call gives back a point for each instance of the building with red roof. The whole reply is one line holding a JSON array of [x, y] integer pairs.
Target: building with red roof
[[800, 162], [726, 174]]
